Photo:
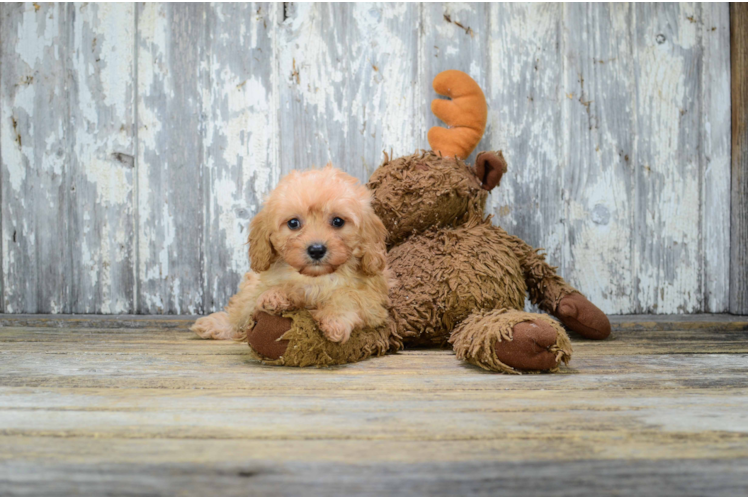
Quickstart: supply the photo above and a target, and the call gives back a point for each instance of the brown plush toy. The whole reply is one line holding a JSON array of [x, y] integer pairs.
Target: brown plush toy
[[461, 280]]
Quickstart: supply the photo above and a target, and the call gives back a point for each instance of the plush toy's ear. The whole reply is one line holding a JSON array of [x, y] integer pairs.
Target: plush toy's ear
[[261, 251], [489, 167], [374, 251], [465, 114]]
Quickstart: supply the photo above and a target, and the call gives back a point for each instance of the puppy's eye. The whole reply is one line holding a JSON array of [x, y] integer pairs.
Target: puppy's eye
[[294, 224], [338, 222]]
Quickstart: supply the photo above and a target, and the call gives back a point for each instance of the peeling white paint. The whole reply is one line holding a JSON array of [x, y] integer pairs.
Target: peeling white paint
[[716, 147], [13, 154], [33, 39], [593, 105], [667, 259], [102, 164]]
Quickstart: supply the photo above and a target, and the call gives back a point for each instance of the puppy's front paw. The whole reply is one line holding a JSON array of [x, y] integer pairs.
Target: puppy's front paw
[[334, 329], [216, 326], [274, 302]]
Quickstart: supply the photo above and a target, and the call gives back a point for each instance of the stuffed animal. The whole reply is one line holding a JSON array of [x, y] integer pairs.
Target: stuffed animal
[[461, 281]]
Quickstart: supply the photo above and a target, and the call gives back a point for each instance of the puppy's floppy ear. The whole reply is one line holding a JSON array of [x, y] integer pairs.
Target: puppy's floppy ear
[[373, 235], [261, 251]]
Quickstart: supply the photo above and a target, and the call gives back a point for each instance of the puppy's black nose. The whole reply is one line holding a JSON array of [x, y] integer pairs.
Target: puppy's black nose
[[316, 251]]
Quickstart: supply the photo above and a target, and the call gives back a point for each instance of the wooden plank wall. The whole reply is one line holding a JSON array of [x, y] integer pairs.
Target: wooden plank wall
[[136, 142], [739, 195]]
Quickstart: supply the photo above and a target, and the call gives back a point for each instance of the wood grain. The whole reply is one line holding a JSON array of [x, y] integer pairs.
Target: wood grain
[[526, 122], [715, 155], [36, 158], [102, 163], [739, 189], [347, 76], [666, 158], [263, 478], [137, 143], [90, 406], [598, 186], [172, 80], [240, 161], [2, 206]]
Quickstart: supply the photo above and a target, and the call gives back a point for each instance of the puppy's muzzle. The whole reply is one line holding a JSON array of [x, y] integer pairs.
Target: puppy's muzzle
[[316, 251]]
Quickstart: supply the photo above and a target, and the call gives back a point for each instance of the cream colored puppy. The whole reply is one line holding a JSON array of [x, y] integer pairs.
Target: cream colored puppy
[[316, 244]]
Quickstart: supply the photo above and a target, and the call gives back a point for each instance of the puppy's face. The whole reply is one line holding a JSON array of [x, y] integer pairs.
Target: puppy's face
[[316, 222]]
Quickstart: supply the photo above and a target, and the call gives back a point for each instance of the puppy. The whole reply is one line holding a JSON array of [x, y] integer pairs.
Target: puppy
[[316, 244]]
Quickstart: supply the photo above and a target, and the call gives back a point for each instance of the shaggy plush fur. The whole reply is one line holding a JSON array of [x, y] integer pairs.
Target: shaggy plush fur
[[445, 274], [448, 260], [345, 287], [307, 347], [480, 338], [424, 191]]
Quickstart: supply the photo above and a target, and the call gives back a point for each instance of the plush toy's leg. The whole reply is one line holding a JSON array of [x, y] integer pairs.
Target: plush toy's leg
[[511, 341], [265, 336], [579, 314], [555, 296], [294, 339]]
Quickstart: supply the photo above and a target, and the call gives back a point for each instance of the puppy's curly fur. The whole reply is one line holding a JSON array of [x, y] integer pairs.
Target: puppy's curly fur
[[344, 289]]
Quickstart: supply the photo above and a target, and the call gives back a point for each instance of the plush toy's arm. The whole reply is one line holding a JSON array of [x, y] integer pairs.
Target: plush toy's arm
[[551, 293], [545, 287]]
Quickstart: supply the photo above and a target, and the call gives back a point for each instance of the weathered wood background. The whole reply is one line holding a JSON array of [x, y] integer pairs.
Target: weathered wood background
[[137, 140]]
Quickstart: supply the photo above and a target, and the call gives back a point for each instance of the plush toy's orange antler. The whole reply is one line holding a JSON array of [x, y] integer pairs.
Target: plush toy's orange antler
[[465, 114]]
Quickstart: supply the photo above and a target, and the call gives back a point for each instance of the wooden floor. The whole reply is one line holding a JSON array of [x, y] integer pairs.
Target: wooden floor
[[138, 405]]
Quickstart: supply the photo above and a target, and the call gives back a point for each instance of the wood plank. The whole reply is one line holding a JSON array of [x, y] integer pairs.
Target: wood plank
[[666, 158], [525, 94], [709, 322], [454, 36], [239, 373], [172, 344], [2, 206], [705, 322], [102, 159], [498, 428], [343, 415], [265, 478], [87, 410], [201, 453], [715, 152], [85, 153], [598, 188], [171, 348], [347, 85], [178, 340], [739, 189], [241, 138], [172, 77], [169, 361], [99, 321], [35, 140]]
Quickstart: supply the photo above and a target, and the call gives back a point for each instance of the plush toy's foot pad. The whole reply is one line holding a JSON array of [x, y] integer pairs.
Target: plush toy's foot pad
[[582, 316], [530, 347], [510, 341], [263, 337]]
